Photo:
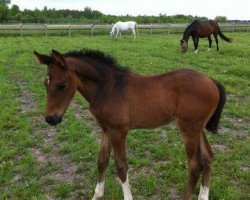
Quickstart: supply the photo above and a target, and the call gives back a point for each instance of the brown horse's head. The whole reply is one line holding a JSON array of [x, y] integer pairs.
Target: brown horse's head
[[60, 85], [184, 46]]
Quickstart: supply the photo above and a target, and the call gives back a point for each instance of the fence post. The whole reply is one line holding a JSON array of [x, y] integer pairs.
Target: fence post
[[46, 29], [69, 29], [92, 29], [248, 24], [21, 30], [233, 27], [151, 27], [169, 28]]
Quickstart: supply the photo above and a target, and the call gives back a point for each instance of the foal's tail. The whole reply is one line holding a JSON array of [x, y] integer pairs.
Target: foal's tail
[[223, 36], [213, 123]]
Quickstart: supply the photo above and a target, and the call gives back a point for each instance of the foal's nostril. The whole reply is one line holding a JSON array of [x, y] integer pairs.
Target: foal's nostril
[[53, 120]]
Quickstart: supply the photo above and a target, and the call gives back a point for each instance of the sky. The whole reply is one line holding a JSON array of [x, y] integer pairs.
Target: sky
[[232, 9]]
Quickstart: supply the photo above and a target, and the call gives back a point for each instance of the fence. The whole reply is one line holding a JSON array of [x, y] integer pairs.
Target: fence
[[98, 29]]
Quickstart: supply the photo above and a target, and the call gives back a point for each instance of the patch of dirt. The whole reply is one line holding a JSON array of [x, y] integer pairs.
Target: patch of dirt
[[145, 170], [26, 97], [153, 197], [233, 132], [173, 195], [88, 118], [241, 127], [66, 169], [237, 122], [245, 167], [26, 102], [219, 147], [41, 157], [163, 162]]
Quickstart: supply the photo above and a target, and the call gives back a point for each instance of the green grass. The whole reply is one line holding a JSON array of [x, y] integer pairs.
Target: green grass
[[156, 157]]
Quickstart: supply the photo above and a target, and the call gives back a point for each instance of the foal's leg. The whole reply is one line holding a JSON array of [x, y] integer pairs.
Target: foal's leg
[[118, 140], [191, 135], [208, 157], [216, 40], [210, 43], [103, 161]]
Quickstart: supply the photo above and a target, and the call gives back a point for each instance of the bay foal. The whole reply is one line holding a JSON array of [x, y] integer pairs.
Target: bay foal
[[121, 100]]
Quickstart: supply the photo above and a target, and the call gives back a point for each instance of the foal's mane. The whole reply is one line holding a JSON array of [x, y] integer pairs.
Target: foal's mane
[[106, 60]]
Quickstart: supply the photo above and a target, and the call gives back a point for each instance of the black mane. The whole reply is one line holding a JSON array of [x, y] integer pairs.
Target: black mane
[[189, 29], [106, 60]]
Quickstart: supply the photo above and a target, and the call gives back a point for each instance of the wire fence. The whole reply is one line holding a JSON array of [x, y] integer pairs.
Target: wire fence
[[103, 29]]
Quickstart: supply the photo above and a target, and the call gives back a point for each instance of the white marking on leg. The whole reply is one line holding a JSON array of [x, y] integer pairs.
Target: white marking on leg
[[126, 190], [48, 80], [204, 192], [196, 51], [99, 190]]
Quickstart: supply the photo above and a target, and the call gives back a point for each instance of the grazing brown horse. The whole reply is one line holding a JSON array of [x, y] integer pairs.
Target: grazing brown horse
[[201, 30], [121, 100]]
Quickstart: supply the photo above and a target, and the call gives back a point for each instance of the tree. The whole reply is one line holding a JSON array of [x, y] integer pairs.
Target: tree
[[220, 19], [4, 13], [14, 10], [4, 2], [88, 13]]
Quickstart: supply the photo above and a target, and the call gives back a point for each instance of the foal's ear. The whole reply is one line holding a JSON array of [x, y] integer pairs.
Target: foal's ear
[[42, 59], [58, 58]]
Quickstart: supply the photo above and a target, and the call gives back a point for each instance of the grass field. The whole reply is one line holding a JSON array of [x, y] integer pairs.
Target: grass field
[[41, 162]]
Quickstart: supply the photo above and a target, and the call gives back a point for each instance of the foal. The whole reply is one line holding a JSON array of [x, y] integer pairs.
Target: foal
[[201, 30], [121, 100]]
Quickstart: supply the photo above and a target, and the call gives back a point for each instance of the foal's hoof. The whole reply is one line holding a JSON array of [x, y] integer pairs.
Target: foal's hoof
[[208, 50], [196, 51]]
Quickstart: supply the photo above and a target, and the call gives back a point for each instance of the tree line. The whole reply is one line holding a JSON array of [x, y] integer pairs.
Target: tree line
[[13, 14]]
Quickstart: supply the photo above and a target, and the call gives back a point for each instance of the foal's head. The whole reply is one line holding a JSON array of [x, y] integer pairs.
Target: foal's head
[[184, 46], [60, 85]]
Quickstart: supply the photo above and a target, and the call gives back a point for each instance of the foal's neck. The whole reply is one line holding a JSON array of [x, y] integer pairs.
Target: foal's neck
[[93, 83]]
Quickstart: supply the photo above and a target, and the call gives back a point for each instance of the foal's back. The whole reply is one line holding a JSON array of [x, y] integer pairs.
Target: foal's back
[[156, 100]]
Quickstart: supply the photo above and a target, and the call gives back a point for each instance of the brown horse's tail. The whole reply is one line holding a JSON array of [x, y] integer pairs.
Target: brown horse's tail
[[213, 123], [223, 36]]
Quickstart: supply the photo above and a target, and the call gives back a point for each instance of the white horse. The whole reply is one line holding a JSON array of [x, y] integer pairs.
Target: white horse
[[118, 27]]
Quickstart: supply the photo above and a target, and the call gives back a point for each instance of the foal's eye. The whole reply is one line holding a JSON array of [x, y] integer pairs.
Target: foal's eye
[[62, 86]]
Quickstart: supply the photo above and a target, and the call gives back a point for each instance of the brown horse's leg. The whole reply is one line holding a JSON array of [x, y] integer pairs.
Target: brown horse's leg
[[216, 40], [210, 42], [103, 161], [193, 38], [208, 157], [196, 44], [192, 133], [119, 141]]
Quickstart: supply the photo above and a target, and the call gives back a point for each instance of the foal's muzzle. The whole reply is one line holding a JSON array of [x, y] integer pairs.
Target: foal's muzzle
[[53, 120]]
